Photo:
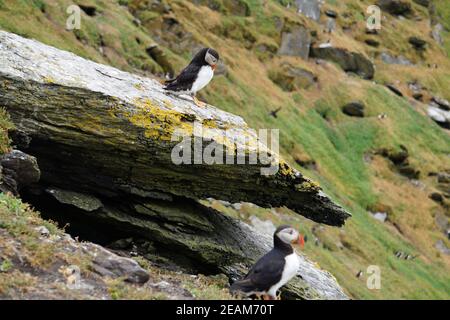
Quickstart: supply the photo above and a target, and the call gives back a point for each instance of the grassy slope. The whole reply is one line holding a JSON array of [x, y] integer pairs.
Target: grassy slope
[[337, 144]]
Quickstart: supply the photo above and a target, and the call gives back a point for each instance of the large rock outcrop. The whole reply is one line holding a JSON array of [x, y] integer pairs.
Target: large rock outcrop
[[106, 136], [349, 61]]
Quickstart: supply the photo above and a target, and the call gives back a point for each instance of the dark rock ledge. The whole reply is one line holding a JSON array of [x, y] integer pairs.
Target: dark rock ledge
[[105, 134]]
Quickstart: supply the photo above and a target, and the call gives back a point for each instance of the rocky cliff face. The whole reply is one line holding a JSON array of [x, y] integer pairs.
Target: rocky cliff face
[[102, 139]]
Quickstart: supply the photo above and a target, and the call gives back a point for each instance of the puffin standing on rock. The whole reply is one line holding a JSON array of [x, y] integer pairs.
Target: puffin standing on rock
[[273, 270], [196, 75]]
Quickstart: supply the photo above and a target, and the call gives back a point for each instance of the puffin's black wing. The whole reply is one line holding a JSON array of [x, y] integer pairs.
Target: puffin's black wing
[[263, 275], [184, 80]]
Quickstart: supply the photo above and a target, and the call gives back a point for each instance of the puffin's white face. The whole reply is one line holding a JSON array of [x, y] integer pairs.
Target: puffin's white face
[[288, 235], [210, 59]]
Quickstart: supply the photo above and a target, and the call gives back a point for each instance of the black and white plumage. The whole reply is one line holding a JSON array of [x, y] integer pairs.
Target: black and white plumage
[[274, 269], [196, 75]]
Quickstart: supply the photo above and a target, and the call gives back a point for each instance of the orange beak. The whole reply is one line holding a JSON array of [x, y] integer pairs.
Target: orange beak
[[301, 241], [214, 66]]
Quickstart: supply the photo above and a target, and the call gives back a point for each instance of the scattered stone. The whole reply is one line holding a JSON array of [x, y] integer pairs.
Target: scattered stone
[[441, 117], [418, 184], [354, 109], [82, 201], [331, 13], [295, 42], [441, 247], [18, 170], [416, 89], [347, 60], [111, 265], [395, 7], [441, 103], [389, 59], [407, 170], [237, 206], [417, 43], [442, 222], [137, 22], [396, 156], [436, 33], [437, 197], [43, 231], [291, 78], [394, 89], [372, 42], [309, 8], [443, 177], [162, 285], [380, 216], [331, 25]]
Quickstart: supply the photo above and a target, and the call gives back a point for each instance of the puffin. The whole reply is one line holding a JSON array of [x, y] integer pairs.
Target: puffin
[[274, 269], [196, 75]]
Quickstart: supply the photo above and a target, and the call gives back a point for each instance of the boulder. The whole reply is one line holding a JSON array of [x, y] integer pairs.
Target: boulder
[[395, 7], [18, 170], [417, 43], [441, 247], [389, 59], [354, 109], [436, 33], [441, 103], [309, 8], [347, 60], [372, 42], [416, 90], [441, 117], [437, 197], [295, 42], [114, 136], [380, 216], [331, 13], [291, 78], [108, 264]]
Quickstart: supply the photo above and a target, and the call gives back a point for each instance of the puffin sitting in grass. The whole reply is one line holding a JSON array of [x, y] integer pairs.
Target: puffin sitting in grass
[[273, 270], [196, 75]]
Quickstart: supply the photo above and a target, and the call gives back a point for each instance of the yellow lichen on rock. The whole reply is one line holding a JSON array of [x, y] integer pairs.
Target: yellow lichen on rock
[[158, 123]]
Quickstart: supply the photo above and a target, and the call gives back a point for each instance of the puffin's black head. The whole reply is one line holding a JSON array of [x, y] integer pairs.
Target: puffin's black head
[[285, 235], [206, 56]]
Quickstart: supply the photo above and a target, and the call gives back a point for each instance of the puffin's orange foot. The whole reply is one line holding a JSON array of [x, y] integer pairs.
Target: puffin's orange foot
[[267, 297], [198, 103]]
